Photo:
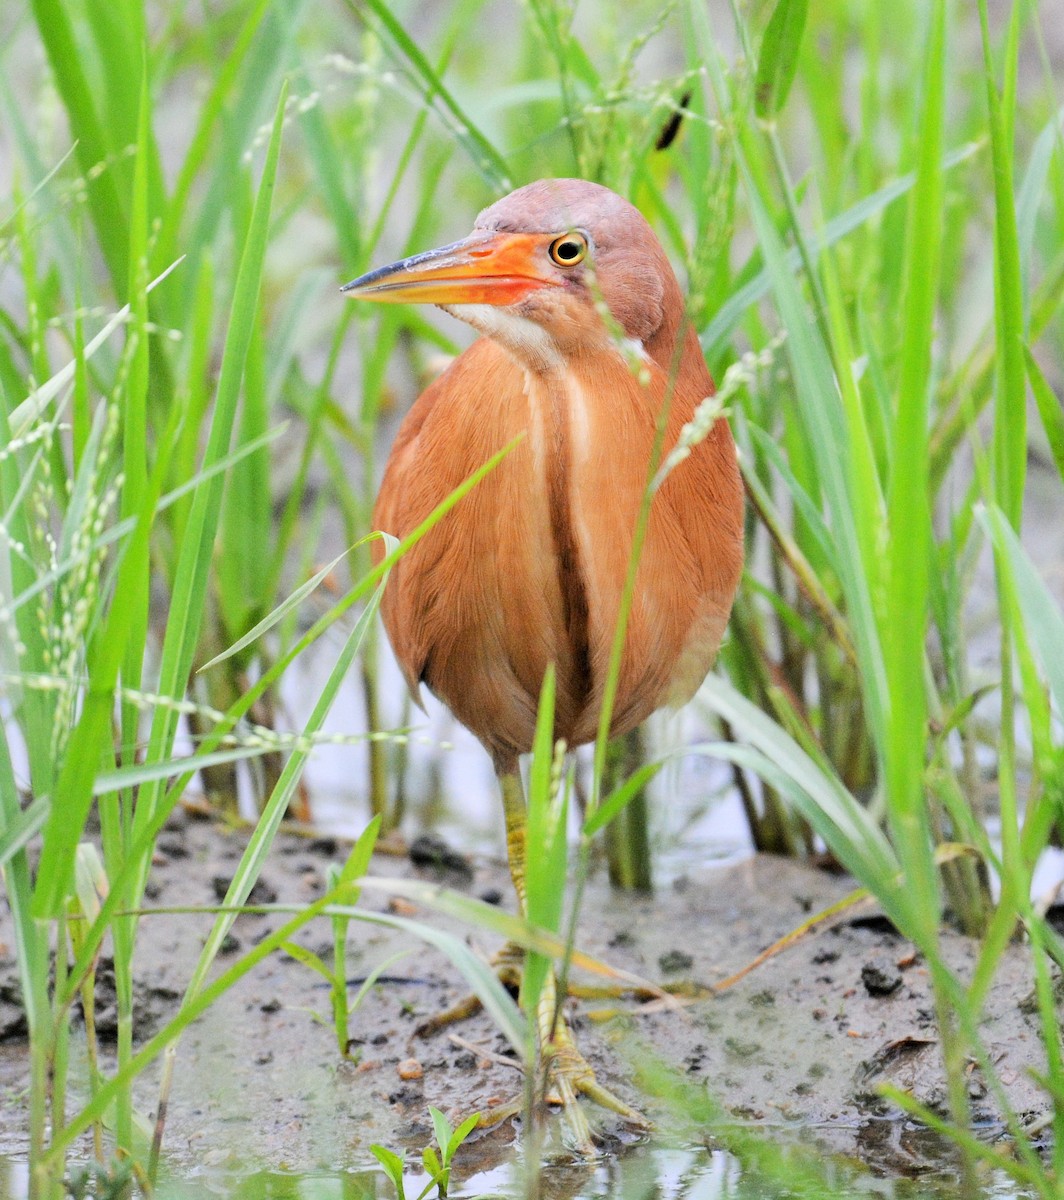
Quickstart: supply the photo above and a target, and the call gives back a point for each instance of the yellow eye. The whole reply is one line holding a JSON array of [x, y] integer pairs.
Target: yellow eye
[[568, 250]]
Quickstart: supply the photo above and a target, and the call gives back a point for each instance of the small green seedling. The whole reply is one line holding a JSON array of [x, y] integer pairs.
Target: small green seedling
[[336, 976], [438, 1165]]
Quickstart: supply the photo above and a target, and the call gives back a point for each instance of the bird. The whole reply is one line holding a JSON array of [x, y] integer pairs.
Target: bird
[[584, 348]]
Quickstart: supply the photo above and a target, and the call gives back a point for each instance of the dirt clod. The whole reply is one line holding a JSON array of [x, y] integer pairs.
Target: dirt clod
[[880, 976], [431, 851], [410, 1068], [673, 961], [262, 893]]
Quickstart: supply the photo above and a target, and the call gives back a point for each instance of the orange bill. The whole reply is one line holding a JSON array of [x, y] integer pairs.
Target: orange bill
[[485, 268]]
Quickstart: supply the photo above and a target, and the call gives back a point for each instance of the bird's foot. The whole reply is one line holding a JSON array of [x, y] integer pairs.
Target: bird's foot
[[508, 963], [564, 1075], [564, 1078]]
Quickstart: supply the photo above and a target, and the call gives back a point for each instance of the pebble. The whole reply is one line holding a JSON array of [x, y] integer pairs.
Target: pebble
[[675, 960], [431, 851], [880, 976]]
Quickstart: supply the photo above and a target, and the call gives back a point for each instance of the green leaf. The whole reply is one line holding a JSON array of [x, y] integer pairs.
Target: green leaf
[[16, 834], [545, 861], [191, 576], [94, 147], [393, 1167], [25, 416], [730, 313], [1049, 409], [254, 856], [488, 161], [285, 607], [308, 959], [621, 796], [460, 1134], [442, 1129], [141, 773], [778, 59], [1042, 616]]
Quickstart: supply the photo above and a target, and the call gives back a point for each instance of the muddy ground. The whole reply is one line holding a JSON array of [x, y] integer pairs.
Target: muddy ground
[[798, 1045]]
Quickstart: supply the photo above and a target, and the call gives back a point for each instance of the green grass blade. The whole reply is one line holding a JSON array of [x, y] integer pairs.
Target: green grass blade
[[717, 333], [620, 797], [1043, 621], [210, 113], [821, 409], [847, 828], [1049, 409], [546, 839], [190, 584], [1010, 425], [778, 60], [25, 415], [488, 161], [251, 861], [94, 147], [285, 607], [19, 829], [907, 584]]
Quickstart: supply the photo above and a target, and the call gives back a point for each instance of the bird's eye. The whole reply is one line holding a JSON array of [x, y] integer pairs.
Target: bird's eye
[[568, 250]]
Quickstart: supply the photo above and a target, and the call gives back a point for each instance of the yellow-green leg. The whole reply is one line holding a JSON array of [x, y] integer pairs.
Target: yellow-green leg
[[566, 1071]]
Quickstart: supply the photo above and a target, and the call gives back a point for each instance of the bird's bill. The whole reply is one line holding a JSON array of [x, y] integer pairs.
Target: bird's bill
[[486, 268]]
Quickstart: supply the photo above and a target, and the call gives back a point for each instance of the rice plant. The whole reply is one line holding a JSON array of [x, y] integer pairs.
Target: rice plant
[[867, 203]]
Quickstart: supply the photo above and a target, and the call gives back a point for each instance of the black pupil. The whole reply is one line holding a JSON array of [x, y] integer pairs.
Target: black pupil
[[568, 251]]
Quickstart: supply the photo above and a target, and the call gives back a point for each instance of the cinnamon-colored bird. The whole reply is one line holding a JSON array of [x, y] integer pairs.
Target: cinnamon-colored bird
[[529, 568]]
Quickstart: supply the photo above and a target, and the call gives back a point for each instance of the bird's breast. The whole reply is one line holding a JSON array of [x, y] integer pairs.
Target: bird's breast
[[529, 569]]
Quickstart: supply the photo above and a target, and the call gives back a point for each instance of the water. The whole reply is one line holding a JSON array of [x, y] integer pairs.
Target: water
[[646, 1172]]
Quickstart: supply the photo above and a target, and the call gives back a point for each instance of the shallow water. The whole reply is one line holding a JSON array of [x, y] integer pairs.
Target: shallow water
[[644, 1172]]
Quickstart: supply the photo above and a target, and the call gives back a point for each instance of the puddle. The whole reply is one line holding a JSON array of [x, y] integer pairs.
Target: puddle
[[646, 1171]]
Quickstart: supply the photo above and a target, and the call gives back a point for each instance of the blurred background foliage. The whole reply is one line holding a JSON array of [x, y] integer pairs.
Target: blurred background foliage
[[871, 206]]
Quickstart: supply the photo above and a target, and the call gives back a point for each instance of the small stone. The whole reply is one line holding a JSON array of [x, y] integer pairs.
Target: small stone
[[492, 895], [172, 846], [880, 976], [431, 851], [177, 821], [401, 907], [675, 960], [261, 893], [737, 1048], [410, 1068]]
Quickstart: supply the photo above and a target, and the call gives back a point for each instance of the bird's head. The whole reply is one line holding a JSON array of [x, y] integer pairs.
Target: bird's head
[[533, 269]]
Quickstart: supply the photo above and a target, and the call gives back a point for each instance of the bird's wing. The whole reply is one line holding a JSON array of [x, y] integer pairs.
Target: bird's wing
[[692, 555], [472, 610]]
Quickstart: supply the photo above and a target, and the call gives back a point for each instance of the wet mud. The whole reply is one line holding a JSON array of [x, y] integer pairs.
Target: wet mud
[[799, 1046]]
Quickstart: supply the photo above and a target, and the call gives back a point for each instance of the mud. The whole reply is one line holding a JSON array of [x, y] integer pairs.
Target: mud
[[798, 1046]]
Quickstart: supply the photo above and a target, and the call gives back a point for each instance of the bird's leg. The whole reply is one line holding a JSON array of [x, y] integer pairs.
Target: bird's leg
[[566, 1071], [509, 961], [516, 815], [565, 1074]]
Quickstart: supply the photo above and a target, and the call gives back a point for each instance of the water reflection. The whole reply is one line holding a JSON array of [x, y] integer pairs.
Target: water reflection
[[645, 1172]]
